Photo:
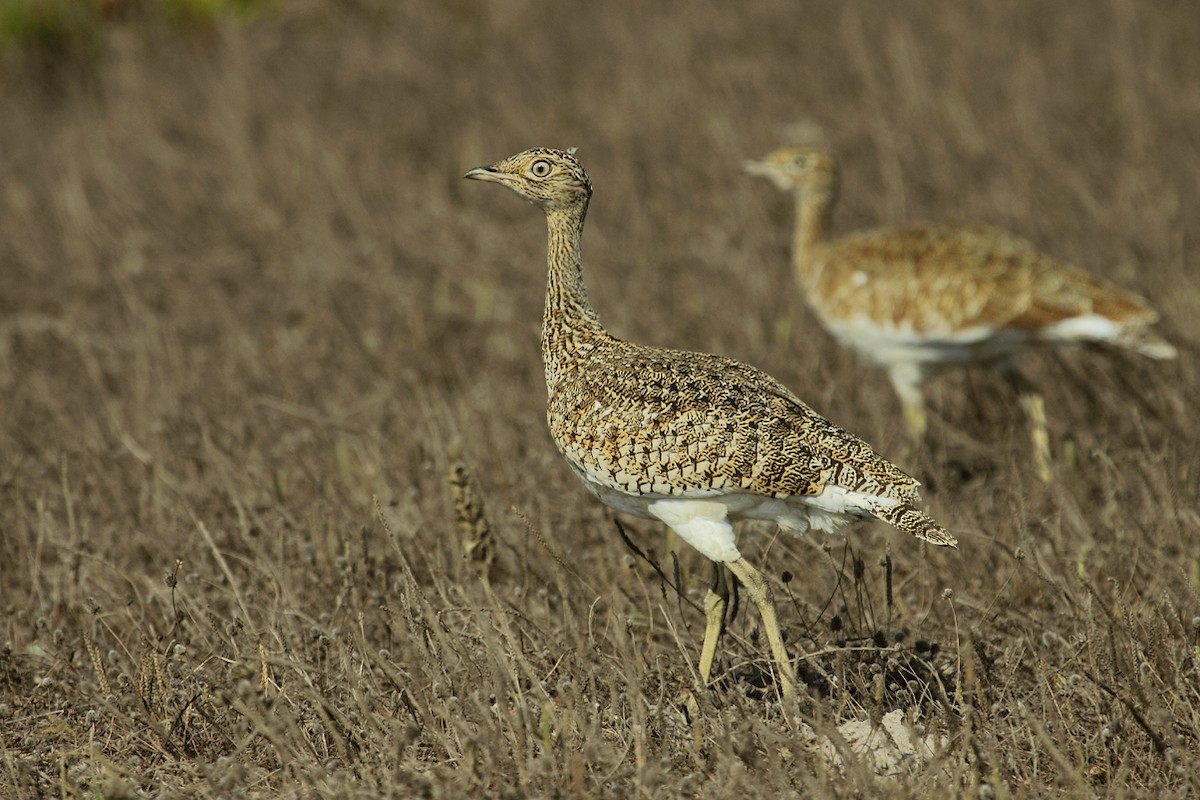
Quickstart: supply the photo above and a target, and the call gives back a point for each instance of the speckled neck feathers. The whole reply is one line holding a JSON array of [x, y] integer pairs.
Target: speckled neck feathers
[[570, 327], [813, 214]]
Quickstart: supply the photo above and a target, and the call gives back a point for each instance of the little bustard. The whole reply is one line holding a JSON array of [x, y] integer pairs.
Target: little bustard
[[917, 300], [694, 440]]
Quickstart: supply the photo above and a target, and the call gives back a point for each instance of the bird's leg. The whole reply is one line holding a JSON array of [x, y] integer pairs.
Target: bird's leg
[[1035, 409], [1034, 406], [760, 594], [716, 600], [915, 421], [907, 379]]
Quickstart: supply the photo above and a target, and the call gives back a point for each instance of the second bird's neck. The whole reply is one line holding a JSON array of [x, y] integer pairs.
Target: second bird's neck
[[812, 226], [570, 327]]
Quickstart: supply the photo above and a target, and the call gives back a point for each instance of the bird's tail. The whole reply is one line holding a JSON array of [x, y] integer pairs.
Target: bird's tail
[[911, 519], [1147, 343]]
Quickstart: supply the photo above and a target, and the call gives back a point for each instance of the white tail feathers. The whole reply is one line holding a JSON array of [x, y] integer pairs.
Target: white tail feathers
[[1147, 344]]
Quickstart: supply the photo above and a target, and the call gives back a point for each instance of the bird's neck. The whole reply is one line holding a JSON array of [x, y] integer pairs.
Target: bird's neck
[[813, 211], [570, 328]]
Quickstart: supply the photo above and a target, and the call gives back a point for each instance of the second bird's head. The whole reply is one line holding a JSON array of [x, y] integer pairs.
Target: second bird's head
[[801, 170], [543, 176]]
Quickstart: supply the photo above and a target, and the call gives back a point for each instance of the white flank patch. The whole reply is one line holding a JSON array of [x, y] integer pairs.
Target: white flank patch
[[837, 500], [887, 345], [860, 278], [866, 330], [704, 517], [1091, 326], [700, 523]]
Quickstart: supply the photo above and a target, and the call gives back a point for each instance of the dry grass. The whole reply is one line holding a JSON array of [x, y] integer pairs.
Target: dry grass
[[251, 318]]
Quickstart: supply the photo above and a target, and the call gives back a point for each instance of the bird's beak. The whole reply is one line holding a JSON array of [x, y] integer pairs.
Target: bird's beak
[[752, 167], [490, 174]]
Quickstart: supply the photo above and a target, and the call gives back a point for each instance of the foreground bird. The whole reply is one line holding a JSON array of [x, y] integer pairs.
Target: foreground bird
[[697, 441], [920, 299]]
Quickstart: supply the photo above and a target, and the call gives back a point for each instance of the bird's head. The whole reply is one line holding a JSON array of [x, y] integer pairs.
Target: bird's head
[[543, 176], [802, 170]]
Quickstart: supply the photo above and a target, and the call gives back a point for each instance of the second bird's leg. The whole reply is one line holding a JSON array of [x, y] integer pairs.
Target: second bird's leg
[[908, 380], [716, 600], [760, 594], [1035, 409], [1034, 406], [915, 422]]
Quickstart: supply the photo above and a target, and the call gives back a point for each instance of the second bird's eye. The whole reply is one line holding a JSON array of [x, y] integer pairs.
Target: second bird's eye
[[540, 168]]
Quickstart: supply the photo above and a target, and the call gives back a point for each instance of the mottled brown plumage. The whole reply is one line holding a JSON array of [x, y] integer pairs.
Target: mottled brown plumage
[[916, 300], [692, 439]]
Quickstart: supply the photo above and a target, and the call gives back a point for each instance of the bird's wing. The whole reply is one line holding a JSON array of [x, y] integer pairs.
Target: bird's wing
[[689, 422], [946, 279]]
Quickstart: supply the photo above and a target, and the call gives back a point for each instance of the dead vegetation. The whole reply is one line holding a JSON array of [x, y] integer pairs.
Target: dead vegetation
[[279, 516]]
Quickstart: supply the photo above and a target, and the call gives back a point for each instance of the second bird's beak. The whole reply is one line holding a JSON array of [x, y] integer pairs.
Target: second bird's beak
[[752, 167]]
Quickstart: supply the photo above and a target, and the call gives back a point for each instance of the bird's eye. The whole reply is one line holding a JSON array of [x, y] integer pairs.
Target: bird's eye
[[800, 162], [540, 168]]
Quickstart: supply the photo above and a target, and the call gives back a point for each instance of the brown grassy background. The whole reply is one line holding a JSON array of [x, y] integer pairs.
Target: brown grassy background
[[250, 315]]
